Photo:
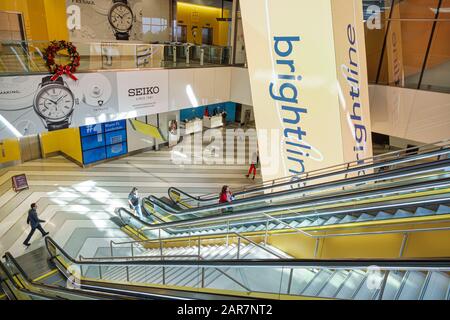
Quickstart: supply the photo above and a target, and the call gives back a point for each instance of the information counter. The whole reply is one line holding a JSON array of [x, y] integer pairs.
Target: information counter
[[193, 126], [213, 122]]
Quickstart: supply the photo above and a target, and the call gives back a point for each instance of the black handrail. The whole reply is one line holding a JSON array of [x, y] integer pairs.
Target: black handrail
[[9, 258], [307, 178], [319, 200], [423, 264], [332, 184]]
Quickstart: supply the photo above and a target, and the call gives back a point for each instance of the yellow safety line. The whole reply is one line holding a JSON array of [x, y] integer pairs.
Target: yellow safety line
[[48, 274]]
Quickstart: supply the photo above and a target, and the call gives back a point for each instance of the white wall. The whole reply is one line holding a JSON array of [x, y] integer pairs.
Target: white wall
[[416, 115], [199, 86], [240, 86]]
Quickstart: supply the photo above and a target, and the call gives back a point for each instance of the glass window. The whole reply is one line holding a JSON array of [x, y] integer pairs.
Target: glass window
[[436, 76], [410, 9]]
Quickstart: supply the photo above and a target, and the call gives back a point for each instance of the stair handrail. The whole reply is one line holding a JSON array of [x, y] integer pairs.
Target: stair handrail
[[211, 236], [253, 213], [430, 264]]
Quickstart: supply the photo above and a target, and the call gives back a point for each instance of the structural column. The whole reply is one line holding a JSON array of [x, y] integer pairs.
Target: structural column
[[308, 74]]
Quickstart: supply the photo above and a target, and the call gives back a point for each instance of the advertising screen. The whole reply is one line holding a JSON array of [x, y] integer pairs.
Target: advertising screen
[[92, 142], [116, 150], [94, 155], [115, 137]]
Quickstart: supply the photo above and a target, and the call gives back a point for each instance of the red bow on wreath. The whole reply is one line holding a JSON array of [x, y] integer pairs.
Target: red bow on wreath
[[63, 70]]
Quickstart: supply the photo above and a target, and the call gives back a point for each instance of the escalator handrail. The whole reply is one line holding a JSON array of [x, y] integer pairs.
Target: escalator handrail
[[438, 264], [391, 174], [282, 207], [323, 173], [324, 214], [8, 257], [213, 236], [24, 290], [166, 206]]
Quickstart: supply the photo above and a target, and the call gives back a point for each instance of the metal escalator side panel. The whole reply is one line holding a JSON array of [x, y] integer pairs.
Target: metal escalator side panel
[[412, 285], [436, 287], [393, 285], [350, 286]]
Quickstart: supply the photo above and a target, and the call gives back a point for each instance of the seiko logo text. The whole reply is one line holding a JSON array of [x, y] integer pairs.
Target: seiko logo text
[[142, 91]]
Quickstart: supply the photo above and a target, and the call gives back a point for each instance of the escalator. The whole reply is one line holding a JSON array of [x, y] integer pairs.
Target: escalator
[[284, 278], [17, 284], [398, 159], [422, 192], [336, 182]]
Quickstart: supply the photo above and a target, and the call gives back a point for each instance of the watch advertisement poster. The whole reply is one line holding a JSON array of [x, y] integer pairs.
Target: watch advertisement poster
[[108, 20], [33, 104]]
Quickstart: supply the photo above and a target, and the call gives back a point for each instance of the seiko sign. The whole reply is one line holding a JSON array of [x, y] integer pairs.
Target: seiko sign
[[136, 92]]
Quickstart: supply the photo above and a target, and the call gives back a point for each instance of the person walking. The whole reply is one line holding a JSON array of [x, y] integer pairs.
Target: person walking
[[253, 164], [135, 203], [35, 223]]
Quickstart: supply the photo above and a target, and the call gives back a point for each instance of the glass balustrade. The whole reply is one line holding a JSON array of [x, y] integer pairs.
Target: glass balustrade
[[18, 57]]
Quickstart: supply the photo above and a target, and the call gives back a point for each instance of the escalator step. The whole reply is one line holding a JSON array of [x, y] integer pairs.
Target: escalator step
[[332, 220], [364, 217], [304, 223], [348, 218], [402, 214], [421, 211], [260, 227], [383, 215], [294, 224], [318, 222], [442, 209]]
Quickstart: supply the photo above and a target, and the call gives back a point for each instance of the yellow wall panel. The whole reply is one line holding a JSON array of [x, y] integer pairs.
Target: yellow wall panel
[[70, 143], [191, 15], [9, 150], [418, 244], [55, 13], [428, 244], [38, 25], [49, 143]]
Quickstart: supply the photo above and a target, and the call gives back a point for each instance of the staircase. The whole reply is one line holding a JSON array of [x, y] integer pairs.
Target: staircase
[[187, 276]]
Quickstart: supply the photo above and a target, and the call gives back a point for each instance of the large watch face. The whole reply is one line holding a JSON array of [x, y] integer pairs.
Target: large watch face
[[121, 17], [54, 102]]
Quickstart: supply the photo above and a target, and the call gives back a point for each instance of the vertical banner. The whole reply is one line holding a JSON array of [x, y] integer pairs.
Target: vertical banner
[[308, 78]]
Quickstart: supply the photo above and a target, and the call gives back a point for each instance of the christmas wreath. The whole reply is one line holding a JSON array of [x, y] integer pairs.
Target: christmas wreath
[[56, 69]]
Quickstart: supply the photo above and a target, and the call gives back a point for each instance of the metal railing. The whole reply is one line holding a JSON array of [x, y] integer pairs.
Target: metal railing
[[359, 167], [27, 57], [297, 196], [280, 275]]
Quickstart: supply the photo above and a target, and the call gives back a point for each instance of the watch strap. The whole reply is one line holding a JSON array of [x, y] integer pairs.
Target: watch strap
[[48, 80], [122, 36], [51, 126], [123, 1]]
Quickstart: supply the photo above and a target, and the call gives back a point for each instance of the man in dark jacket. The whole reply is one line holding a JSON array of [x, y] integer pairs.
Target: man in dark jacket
[[35, 223]]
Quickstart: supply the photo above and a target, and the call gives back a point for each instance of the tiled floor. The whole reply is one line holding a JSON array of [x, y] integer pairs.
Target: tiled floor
[[78, 203]]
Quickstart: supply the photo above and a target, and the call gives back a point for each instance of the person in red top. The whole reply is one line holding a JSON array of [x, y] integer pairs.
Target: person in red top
[[226, 195]]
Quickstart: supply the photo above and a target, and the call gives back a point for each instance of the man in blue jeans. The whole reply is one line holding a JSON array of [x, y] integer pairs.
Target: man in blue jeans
[[35, 223], [135, 203]]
